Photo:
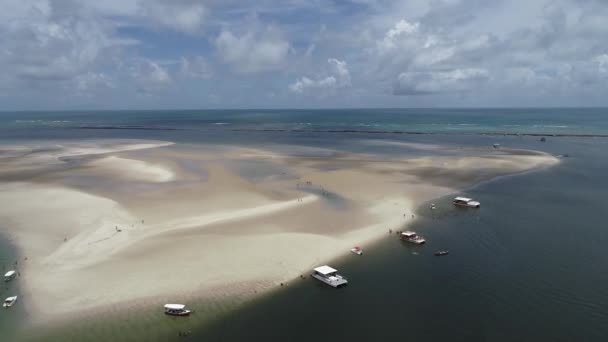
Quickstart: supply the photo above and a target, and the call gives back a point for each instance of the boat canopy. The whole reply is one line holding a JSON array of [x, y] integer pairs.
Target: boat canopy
[[325, 270], [464, 199], [9, 274], [408, 234], [175, 306]]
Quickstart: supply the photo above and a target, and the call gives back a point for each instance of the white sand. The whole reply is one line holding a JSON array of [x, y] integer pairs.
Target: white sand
[[203, 235], [133, 169]]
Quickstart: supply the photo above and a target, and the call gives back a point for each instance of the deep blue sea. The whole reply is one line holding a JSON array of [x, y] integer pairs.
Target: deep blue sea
[[529, 266]]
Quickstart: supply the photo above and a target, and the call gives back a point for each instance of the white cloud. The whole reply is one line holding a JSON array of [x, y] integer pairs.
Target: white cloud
[[255, 50], [419, 83], [339, 77], [402, 29], [150, 76], [43, 41], [538, 49], [179, 15], [195, 67], [602, 63], [93, 82]]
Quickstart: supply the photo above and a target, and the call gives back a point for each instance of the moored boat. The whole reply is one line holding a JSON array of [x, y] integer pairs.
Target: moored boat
[[9, 301], [412, 237], [176, 310], [8, 276], [329, 276], [466, 202], [357, 250]]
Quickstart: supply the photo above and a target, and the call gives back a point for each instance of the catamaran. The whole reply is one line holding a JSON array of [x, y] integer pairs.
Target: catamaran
[[412, 237], [176, 310], [329, 276], [9, 301], [8, 276], [466, 202]]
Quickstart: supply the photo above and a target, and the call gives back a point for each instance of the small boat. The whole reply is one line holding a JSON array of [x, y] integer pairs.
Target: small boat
[[176, 310], [8, 276], [441, 252], [466, 202], [357, 250], [9, 301], [329, 276], [496, 145], [412, 237]]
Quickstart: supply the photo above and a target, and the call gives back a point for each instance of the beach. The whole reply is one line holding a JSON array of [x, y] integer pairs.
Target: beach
[[128, 224]]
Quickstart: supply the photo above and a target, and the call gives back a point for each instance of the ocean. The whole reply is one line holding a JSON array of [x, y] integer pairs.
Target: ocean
[[529, 266]]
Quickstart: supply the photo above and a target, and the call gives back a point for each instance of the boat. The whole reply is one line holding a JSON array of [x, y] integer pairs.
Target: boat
[[412, 237], [357, 250], [8, 276], [442, 252], [496, 145], [466, 202], [9, 301], [176, 310], [329, 276]]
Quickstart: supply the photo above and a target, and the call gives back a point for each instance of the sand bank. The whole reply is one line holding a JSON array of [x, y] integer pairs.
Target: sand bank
[[191, 221]]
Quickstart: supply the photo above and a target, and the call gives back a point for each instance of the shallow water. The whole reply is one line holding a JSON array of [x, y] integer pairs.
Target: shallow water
[[9, 319]]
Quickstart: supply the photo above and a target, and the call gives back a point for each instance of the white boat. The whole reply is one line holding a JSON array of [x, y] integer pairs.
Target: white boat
[[329, 276], [466, 202], [9, 301], [412, 237], [176, 310], [357, 250], [8, 276]]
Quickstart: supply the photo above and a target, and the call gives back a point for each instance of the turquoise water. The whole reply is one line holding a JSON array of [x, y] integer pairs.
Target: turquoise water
[[455, 121], [529, 266]]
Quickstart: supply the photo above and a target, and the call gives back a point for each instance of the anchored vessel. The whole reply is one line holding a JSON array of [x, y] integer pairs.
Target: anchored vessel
[[466, 202], [9, 301], [8, 276], [357, 250], [412, 237], [176, 310], [329, 276]]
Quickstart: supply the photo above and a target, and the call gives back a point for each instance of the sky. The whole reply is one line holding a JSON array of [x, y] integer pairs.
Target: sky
[[189, 54]]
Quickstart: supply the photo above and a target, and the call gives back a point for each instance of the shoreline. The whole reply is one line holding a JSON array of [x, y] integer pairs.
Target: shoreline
[[337, 243]]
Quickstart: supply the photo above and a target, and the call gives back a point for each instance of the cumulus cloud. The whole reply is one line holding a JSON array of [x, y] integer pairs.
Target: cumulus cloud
[[93, 81], [195, 67], [338, 77], [254, 50], [43, 40], [602, 63], [542, 50], [179, 15], [431, 82], [149, 76]]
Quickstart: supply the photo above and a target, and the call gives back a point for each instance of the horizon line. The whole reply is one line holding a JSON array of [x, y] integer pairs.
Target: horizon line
[[294, 109]]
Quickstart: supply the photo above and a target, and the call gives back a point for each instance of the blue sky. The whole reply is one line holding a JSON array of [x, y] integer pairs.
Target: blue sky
[[135, 54]]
